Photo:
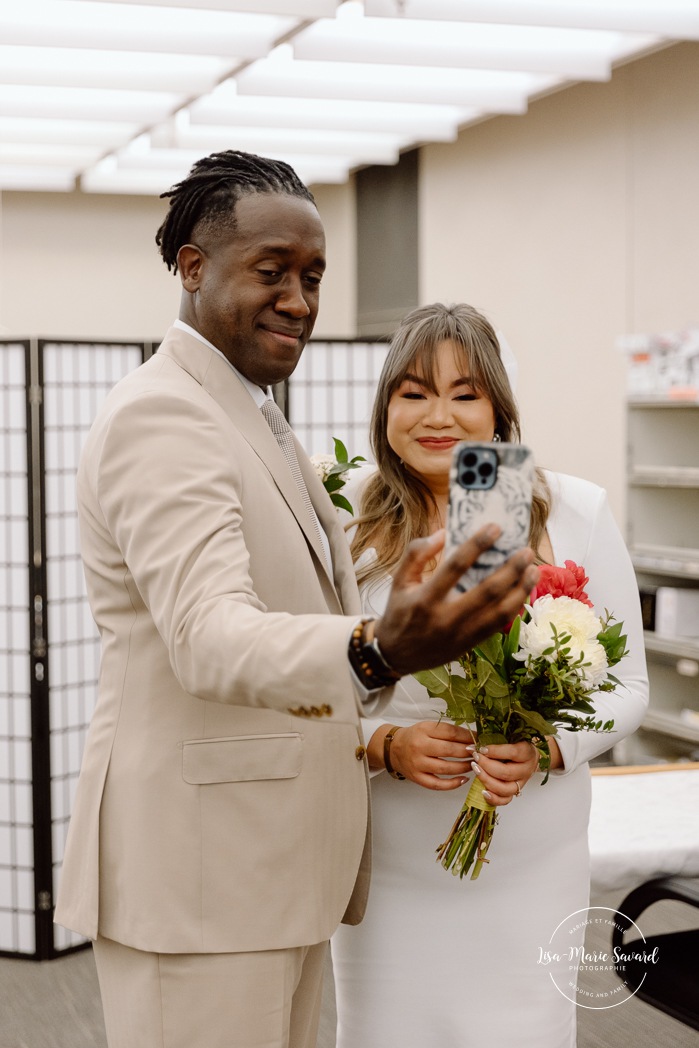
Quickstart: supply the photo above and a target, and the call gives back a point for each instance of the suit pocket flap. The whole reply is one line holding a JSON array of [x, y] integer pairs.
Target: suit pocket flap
[[242, 758]]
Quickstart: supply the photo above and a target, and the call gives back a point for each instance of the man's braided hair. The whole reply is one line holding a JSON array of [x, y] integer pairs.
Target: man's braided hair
[[206, 198]]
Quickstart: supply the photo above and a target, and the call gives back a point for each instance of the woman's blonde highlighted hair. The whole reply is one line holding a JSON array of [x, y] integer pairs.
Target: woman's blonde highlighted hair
[[395, 506]]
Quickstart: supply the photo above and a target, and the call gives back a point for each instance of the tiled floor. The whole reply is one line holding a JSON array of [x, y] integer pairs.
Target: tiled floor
[[55, 1004]]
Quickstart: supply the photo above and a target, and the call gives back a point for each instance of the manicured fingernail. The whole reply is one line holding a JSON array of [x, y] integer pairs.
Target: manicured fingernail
[[476, 755], [477, 769], [488, 795], [470, 749], [464, 781], [483, 749]]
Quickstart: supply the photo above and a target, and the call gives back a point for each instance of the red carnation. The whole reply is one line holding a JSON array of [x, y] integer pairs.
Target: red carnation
[[562, 582]]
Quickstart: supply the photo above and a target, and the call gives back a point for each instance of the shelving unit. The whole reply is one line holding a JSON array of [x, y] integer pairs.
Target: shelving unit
[[663, 537]]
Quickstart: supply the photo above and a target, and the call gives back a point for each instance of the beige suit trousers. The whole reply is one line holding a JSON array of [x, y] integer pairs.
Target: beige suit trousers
[[267, 999]]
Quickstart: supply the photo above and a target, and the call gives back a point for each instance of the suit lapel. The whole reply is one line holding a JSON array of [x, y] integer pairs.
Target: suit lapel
[[216, 377], [345, 580]]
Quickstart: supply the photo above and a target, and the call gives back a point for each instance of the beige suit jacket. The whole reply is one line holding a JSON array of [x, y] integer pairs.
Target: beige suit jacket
[[222, 803]]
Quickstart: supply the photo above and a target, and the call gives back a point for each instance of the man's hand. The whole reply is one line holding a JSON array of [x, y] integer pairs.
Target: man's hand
[[428, 622]]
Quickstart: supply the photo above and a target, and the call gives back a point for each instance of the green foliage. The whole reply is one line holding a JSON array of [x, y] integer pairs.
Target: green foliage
[[613, 641], [341, 502], [453, 689], [505, 699], [344, 462], [341, 453], [436, 681], [334, 478]]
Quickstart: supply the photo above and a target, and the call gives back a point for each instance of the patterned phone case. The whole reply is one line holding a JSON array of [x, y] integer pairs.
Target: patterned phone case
[[507, 503]]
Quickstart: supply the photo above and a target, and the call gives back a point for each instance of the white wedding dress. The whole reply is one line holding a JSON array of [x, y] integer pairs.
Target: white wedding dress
[[440, 962]]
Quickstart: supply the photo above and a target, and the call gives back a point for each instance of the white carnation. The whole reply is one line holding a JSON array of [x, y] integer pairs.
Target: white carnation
[[321, 464], [571, 617]]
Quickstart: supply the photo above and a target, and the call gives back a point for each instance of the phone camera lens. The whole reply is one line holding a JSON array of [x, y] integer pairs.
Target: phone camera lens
[[470, 459], [469, 478], [485, 469]]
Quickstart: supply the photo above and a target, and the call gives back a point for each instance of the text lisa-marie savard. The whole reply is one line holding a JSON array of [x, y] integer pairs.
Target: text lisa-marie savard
[[591, 957]]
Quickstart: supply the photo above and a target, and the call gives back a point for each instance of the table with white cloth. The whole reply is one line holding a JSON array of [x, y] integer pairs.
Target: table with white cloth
[[644, 824]]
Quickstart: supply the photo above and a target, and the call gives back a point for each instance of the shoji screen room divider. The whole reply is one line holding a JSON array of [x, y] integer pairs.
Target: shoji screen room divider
[[49, 646]]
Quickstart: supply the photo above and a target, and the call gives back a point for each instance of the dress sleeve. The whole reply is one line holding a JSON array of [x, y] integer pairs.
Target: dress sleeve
[[612, 586]]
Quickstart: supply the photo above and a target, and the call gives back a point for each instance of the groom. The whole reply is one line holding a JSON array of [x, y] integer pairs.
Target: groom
[[220, 827]]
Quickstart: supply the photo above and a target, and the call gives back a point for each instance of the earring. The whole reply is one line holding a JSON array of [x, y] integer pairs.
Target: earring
[[496, 437]]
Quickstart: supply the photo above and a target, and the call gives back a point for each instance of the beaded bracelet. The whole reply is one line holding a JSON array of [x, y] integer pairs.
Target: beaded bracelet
[[367, 661]]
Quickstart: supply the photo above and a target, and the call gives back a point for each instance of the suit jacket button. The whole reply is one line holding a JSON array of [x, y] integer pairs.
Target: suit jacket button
[[294, 711], [360, 753], [326, 710], [316, 712]]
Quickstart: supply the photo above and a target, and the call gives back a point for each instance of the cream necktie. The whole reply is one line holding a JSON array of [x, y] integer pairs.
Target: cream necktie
[[282, 432]]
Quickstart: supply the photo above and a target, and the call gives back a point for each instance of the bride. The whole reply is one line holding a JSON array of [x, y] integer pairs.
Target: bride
[[439, 961]]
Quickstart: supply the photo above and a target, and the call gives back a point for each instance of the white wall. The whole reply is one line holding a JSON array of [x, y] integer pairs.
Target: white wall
[[78, 265], [338, 299], [86, 266], [568, 227]]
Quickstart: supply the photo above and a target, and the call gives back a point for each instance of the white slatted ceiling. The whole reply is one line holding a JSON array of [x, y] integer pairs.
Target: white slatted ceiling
[[121, 96]]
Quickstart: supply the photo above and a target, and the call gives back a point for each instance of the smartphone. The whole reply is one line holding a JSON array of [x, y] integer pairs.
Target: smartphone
[[489, 484]]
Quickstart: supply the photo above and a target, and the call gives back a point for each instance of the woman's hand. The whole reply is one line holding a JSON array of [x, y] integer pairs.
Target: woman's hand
[[438, 755], [505, 769], [426, 752]]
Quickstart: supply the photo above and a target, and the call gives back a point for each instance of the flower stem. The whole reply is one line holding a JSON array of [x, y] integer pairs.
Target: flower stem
[[470, 836]]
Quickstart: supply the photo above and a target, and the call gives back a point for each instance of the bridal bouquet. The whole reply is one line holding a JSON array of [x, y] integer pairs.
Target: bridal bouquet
[[331, 471], [523, 684]]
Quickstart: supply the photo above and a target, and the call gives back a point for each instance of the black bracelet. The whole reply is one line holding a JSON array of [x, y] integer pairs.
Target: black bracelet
[[368, 662]]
